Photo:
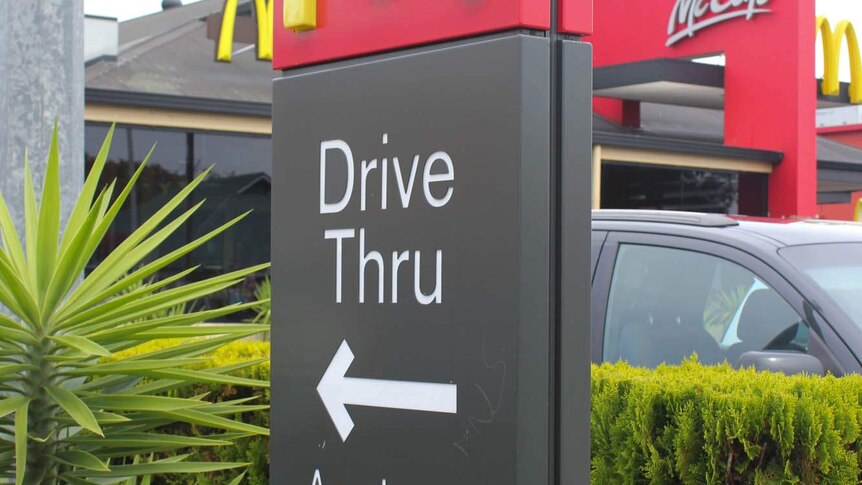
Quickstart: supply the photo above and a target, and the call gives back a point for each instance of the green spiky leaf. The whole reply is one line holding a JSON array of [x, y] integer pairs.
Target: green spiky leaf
[[75, 407], [21, 428], [81, 343], [82, 459]]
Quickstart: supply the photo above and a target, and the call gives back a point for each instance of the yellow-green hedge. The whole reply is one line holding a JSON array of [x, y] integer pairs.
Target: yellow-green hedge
[[692, 424], [253, 450], [229, 354]]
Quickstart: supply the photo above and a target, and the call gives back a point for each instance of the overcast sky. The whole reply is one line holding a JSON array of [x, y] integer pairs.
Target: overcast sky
[[124, 9], [834, 10], [840, 9]]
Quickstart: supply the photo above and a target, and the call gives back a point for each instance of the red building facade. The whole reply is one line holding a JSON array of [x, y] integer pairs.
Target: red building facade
[[769, 85]]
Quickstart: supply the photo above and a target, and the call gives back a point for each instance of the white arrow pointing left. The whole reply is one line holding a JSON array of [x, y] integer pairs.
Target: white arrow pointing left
[[336, 391]]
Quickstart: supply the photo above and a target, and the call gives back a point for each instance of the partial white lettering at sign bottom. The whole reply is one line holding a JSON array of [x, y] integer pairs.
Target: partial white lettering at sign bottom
[[317, 480], [336, 391]]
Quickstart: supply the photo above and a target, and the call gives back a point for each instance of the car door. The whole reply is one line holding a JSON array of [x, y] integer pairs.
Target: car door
[[659, 299]]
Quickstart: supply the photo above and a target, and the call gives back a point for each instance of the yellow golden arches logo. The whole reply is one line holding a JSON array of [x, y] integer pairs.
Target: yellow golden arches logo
[[832, 42], [263, 15], [298, 15]]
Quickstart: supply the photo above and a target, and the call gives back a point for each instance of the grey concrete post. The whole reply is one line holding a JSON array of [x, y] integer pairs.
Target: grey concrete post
[[41, 79]]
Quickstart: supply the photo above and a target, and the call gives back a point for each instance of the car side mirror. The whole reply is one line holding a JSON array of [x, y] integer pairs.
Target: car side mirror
[[783, 361]]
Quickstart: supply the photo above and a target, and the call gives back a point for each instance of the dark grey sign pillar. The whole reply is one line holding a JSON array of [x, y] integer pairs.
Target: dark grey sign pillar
[[431, 266]]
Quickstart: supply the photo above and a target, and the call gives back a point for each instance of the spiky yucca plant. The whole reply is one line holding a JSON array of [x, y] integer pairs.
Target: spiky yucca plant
[[263, 311], [68, 416]]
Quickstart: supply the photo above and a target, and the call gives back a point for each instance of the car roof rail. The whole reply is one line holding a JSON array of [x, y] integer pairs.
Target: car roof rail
[[667, 217]]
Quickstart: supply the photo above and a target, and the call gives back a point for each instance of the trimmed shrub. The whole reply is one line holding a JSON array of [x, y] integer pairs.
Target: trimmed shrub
[[691, 424]]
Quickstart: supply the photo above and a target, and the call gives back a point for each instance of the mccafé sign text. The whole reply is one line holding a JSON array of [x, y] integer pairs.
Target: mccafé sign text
[[690, 16]]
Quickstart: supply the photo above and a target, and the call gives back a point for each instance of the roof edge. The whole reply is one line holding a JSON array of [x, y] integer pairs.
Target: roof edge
[[677, 145], [167, 101], [838, 165]]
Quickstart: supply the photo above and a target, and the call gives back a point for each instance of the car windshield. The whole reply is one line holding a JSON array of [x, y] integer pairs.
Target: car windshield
[[836, 268]]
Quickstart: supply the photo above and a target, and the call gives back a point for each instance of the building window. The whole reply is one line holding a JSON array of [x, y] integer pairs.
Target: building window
[[636, 186], [239, 182]]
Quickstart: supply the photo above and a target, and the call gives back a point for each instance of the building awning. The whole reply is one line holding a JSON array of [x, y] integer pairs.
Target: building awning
[[678, 82], [839, 171], [671, 132], [664, 81], [684, 136], [684, 146]]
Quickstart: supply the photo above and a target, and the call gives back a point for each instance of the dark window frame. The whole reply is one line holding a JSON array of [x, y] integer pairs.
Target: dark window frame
[[747, 202]]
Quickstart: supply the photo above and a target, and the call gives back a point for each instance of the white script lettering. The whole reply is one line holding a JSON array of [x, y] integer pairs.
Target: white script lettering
[[690, 16]]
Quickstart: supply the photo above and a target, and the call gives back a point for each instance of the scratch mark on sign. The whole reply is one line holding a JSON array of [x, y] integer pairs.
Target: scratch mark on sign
[[463, 445]]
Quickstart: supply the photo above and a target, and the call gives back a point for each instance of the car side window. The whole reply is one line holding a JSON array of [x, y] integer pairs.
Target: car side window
[[666, 303]]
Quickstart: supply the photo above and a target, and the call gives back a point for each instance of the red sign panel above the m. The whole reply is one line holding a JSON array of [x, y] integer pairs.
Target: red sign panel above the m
[[350, 28]]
